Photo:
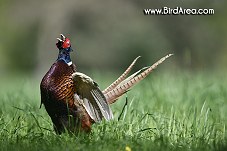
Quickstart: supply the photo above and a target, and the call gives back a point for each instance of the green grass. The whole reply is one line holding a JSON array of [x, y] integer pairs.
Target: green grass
[[167, 111]]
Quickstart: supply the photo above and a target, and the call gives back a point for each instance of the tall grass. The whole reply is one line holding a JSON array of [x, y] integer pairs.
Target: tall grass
[[180, 111]]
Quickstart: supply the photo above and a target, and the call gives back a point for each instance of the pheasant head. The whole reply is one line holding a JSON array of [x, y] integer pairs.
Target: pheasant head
[[64, 47]]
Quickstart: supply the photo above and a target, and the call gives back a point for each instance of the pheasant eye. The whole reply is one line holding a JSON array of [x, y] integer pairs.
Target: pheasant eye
[[66, 43]]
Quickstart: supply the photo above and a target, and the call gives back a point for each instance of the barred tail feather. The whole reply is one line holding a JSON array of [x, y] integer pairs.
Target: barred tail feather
[[121, 78], [124, 86]]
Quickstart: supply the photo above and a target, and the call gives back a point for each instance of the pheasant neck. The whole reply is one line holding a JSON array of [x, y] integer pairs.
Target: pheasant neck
[[65, 56]]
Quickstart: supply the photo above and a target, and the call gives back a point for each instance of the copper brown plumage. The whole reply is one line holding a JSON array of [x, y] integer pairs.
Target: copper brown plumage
[[73, 100], [57, 94]]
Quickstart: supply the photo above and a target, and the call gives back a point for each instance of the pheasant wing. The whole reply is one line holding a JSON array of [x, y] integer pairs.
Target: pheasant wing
[[91, 97]]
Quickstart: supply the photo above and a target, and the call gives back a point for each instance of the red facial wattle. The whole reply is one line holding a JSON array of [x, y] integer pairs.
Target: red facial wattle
[[66, 43]]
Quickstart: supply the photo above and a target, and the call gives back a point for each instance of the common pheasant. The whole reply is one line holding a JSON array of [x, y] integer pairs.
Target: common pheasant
[[73, 100]]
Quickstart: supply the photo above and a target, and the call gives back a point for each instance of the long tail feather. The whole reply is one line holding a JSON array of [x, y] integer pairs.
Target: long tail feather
[[124, 86], [121, 78], [132, 76]]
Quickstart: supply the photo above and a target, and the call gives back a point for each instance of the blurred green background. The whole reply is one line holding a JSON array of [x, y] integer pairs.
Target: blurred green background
[[108, 35]]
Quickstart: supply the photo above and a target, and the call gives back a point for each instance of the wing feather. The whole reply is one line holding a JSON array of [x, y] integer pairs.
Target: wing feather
[[102, 105], [91, 97], [91, 110]]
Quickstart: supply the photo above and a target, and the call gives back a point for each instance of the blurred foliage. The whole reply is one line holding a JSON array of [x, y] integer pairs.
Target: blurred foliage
[[109, 35]]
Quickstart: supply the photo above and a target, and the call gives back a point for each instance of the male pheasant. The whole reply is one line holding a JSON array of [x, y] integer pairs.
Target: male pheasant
[[73, 100]]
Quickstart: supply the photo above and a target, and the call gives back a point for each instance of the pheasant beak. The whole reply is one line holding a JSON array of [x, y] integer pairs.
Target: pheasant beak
[[62, 37]]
